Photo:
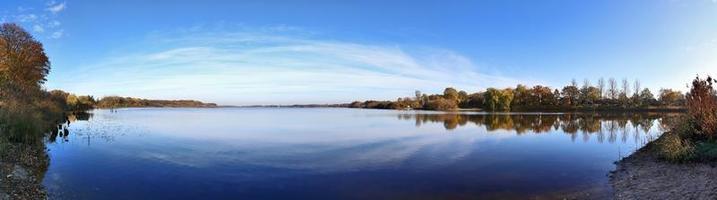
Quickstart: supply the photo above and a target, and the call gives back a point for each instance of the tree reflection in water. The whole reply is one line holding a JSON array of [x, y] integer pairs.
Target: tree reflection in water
[[614, 126]]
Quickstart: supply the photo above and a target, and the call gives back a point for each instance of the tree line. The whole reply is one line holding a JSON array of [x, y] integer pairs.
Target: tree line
[[605, 95], [124, 102]]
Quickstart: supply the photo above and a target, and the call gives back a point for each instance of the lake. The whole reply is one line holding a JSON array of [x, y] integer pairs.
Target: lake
[[337, 153]]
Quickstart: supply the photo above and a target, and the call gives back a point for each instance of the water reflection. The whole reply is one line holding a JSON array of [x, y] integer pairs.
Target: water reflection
[[610, 126], [62, 129], [339, 154]]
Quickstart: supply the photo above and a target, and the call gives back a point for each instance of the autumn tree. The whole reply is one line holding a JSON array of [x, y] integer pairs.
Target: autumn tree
[[450, 94], [570, 95], [23, 63], [669, 97], [462, 96], [442, 104], [541, 96]]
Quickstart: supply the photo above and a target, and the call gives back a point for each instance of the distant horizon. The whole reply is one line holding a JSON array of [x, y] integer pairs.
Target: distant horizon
[[285, 53]]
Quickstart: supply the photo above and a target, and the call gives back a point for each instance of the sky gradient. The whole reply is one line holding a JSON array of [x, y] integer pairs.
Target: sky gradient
[[286, 52]]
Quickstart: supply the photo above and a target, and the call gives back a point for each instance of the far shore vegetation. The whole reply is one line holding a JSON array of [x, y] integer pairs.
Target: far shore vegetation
[[130, 102], [604, 96]]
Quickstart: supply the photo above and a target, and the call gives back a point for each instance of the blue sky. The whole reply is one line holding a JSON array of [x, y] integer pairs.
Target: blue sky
[[284, 52]]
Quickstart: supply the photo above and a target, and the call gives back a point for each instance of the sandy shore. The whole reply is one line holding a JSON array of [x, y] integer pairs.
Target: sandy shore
[[643, 176]]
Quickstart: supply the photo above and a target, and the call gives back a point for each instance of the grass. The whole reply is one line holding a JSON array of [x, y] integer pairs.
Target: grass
[[707, 150]]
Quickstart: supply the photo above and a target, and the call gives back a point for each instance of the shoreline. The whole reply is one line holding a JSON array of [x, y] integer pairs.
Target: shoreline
[[22, 169], [643, 175]]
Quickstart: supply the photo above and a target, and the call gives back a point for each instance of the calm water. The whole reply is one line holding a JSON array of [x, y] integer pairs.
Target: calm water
[[268, 153]]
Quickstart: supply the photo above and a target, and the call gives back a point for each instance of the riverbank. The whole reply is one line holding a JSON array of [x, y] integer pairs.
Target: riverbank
[[643, 175], [22, 169]]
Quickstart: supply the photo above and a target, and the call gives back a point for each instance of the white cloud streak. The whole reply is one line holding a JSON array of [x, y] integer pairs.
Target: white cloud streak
[[257, 68]]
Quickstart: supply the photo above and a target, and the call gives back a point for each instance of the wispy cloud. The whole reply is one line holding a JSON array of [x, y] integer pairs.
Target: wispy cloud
[[42, 22], [276, 68], [55, 7], [57, 34], [38, 28]]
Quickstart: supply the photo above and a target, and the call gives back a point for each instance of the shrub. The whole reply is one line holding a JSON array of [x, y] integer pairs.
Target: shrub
[[672, 147], [706, 151], [702, 107]]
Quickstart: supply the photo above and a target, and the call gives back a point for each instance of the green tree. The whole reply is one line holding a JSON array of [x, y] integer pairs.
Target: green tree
[[498, 100], [590, 95], [506, 99], [646, 97], [522, 95], [72, 101]]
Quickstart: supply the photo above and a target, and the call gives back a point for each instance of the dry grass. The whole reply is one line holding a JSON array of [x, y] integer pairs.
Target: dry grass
[[674, 148]]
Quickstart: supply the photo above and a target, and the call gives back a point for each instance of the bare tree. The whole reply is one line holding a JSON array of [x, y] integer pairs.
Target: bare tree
[[625, 87], [636, 88], [601, 86], [574, 83], [612, 88], [586, 83]]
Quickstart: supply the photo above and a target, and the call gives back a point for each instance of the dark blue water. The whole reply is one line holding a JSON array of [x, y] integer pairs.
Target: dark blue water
[[286, 153]]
